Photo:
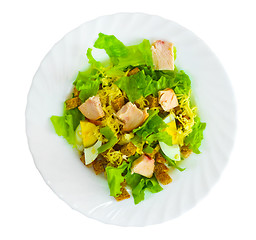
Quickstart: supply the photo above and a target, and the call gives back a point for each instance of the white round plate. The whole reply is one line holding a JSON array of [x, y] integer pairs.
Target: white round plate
[[76, 184]]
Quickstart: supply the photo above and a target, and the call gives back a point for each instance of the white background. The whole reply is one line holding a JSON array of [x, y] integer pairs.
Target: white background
[[28, 207]]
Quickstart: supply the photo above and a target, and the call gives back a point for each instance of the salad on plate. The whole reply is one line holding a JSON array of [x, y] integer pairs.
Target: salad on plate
[[131, 117]]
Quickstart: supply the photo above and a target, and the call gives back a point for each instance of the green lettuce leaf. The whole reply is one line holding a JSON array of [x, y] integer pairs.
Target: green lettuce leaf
[[148, 149], [140, 184], [135, 85], [88, 84], [194, 139], [92, 61], [123, 56], [183, 83], [115, 178], [112, 139], [136, 55], [161, 137], [66, 125], [152, 185], [138, 192], [141, 84], [153, 125], [112, 46]]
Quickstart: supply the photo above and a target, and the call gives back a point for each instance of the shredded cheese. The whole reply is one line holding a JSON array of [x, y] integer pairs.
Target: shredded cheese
[[186, 118], [142, 102], [107, 94], [113, 157]]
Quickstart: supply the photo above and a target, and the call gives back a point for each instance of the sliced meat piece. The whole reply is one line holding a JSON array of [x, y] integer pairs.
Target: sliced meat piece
[[152, 101], [133, 71], [92, 109], [117, 103], [128, 149], [143, 166], [163, 55], [167, 99], [95, 122], [73, 103], [131, 116]]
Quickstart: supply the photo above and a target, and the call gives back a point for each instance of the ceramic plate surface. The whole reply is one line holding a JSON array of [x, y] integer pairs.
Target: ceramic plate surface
[[59, 164]]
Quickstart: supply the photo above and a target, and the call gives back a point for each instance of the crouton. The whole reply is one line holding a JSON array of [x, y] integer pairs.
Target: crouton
[[133, 71], [76, 92], [163, 178], [128, 149], [117, 103], [185, 151], [82, 158], [99, 164], [124, 195], [155, 151], [177, 110], [152, 101], [161, 174], [160, 168], [73, 103], [159, 158]]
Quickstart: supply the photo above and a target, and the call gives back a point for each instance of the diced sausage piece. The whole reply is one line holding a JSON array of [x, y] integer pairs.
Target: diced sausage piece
[[73, 103], [131, 116], [167, 99], [76, 92], [185, 151], [133, 71], [99, 164], [152, 101], [163, 55], [118, 103], [143, 166], [128, 149], [159, 158], [92, 108]]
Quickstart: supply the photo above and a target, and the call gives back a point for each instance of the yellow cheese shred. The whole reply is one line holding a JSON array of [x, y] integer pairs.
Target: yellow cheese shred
[[186, 118]]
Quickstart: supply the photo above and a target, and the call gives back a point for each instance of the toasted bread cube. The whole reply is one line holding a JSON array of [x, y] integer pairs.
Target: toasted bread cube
[[73, 103]]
